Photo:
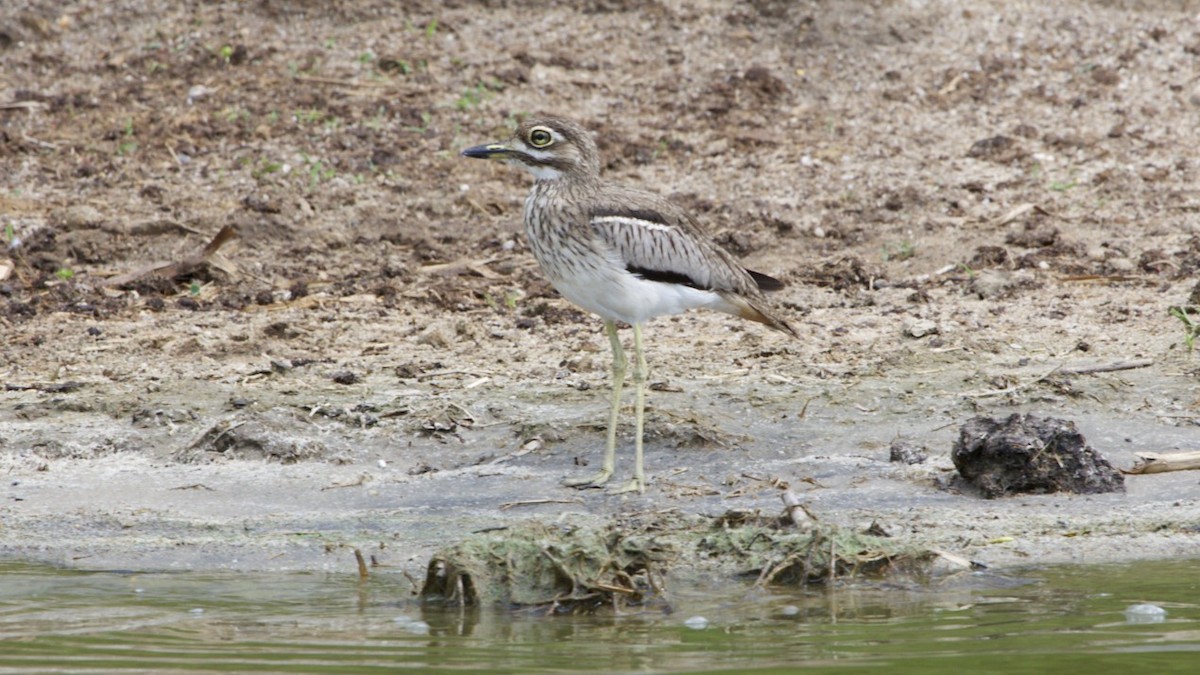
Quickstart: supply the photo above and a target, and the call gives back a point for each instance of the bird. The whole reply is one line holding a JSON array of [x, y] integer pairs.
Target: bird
[[623, 253]]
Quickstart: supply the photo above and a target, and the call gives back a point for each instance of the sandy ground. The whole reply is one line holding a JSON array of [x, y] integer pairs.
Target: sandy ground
[[967, 199]]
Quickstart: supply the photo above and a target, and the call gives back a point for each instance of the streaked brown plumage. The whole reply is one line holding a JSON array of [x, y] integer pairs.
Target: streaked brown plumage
[[620, 252]]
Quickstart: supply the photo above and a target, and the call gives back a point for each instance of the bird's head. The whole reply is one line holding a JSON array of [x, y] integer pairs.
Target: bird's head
[[550, 148]]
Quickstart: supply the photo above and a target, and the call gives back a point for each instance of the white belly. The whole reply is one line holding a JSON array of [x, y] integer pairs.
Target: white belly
[[617, 295]]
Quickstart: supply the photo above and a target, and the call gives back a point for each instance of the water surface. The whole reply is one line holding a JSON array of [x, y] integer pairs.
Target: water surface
[[1034, 621]]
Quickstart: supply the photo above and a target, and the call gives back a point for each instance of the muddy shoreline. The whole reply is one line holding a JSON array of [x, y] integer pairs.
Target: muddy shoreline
[[966, 201]]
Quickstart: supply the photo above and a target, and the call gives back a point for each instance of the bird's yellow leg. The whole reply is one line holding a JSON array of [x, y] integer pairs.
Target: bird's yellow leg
[[640, 374], [618, 381]]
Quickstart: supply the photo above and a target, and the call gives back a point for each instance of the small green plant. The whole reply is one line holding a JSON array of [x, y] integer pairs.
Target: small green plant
[[309, 116], [965, 268], [226, 53], [477, 94], [234, 114], [365, 58], [425, 119], [10, 233], [1062, 186], [511, 298], [65, 273], [661, 148], [902, 251], [1190, 316], [431, 28], [376, 121], [194, 288], [264, 168], [127, 146], [317, 171], [473, 96]]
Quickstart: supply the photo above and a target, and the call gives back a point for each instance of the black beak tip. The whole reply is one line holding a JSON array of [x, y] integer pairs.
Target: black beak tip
[[481, 152]]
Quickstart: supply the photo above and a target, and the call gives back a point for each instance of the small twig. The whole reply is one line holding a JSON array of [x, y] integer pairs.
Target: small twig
[[1155, 462], [1108, 367], [186, 265], [339, 82], [363, 574], [832, 561], [22, 105], [529, 446], [956, 560], [218, 437], [456, 267], [800, 515], [534, 502], [1067, 370], [363, 479], [440, 373], [612, 589], [41, 144], [1012, 214], [1013, 389], [804, 408], [478, 207], [1106, 278]]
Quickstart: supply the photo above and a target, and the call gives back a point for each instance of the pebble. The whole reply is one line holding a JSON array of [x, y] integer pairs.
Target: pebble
[[990, 284], [436, 335], [1121, 265], [80, 216], [1145, 613], [920, 328]]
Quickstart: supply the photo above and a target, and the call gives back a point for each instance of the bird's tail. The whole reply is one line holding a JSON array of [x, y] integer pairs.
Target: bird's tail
[[755, 311]]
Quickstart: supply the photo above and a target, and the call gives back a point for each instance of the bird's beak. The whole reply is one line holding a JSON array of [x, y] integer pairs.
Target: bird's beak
[[489, 151]]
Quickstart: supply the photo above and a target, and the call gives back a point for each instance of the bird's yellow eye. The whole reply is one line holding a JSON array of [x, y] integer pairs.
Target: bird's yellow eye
[[540, 137]]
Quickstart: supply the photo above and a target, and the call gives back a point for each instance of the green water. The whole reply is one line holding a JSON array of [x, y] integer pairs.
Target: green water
[[1035, 621]]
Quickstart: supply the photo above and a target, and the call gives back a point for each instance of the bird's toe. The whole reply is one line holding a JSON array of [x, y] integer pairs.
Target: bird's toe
[[593, 481]]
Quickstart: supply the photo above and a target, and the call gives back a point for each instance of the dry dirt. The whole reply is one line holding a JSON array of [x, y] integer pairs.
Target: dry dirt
[[967, 200]]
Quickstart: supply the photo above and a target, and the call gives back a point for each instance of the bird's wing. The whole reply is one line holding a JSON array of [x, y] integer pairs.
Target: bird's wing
[[662, 244]]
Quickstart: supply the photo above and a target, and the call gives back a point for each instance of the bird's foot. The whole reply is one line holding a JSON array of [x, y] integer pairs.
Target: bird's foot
[[588, 481], [636, 484]]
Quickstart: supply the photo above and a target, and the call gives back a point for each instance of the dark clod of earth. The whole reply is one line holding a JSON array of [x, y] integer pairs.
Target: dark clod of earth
[[345, 377], [1031, 454], [908, 453]]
